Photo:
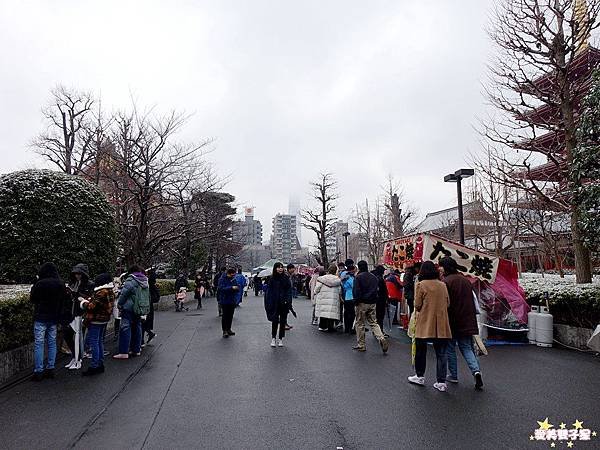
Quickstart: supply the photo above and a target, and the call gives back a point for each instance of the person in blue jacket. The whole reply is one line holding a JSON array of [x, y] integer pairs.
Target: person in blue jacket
[[278, 299], [241, 282], [228, 290]]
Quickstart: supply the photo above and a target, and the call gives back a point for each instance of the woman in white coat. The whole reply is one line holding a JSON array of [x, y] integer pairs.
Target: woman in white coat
[[327, 299]]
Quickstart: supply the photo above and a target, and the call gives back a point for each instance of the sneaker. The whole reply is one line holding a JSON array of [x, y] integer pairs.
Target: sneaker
[[231, 333], [358, 348], [49, 373], [121, 356], [75, 366], [414, 379], [225, 334], [273, 342], [87, 355], [288, 327], [440, 387], [151, 335], [70, 363], [384, 345], [478, 381], [322, 329], [37, 376], [452, 379], [280, 343]]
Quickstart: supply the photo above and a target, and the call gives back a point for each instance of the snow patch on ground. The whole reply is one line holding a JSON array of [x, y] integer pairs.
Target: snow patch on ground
[[535, 284], [8, 291]]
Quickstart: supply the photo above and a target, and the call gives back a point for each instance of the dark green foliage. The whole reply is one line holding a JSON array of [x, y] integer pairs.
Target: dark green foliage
[[585, 171], [48, 216], [16, 322], [578, 309]]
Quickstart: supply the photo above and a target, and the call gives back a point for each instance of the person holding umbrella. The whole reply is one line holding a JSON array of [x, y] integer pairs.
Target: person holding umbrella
[[278, 303]]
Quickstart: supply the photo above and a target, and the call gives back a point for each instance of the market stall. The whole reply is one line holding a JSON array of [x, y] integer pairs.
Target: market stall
[[495, 280]]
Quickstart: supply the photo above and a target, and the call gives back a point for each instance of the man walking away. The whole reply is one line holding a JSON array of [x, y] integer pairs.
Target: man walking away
[[216, 280], [257, 285], [227, 292], [365, 292], [48, 296], [463, 321]]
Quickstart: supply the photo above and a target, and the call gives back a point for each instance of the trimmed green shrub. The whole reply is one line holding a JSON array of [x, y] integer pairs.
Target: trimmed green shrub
[[570, 304], [48, 216], [16, 322]]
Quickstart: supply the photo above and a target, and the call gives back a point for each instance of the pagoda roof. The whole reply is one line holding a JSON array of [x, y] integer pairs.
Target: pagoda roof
[[549, 143], [549, 171], [581, 66]]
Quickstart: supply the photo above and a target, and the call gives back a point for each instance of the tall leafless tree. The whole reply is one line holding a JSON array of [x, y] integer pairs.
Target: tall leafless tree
[[372, 222], [63, 142], [535, 90], [146, 165], [320, 219], [401, 214]]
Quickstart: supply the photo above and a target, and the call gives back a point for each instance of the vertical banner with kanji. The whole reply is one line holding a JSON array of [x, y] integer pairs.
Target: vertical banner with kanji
[[470, 262]]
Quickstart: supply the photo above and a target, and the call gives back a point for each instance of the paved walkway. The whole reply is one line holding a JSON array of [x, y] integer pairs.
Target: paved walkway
[[194, 389]]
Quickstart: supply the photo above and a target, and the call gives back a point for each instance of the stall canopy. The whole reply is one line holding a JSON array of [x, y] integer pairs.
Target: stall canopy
[[495, 280], [268, 265]]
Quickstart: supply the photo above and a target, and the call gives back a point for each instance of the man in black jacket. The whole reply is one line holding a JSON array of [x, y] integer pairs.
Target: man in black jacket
[[365, 292], [48, 296]]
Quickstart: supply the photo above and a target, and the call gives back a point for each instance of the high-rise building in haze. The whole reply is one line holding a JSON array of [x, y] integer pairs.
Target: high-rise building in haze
[[247, 231], [284, 239], [294, 210]]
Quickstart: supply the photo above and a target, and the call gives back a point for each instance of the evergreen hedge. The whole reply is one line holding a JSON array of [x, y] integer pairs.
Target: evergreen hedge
[[16, 322], [48, 216]]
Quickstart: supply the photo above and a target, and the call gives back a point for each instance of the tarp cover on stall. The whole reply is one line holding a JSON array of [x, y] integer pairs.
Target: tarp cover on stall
[[495, 280]]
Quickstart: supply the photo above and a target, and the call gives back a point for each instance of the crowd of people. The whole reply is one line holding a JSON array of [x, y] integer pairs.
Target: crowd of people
[[78, 312], [345, 297]]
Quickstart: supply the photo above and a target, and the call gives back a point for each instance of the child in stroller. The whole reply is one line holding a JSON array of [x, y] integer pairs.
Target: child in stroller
[[179, 299]]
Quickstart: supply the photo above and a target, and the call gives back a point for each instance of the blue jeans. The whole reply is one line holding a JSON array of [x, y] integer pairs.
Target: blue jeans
[[130, 333], [465, 345], [95, 340], [44, 332]]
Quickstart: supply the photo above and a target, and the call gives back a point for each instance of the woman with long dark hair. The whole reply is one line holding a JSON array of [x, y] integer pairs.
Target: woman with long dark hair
[[432, 325], [277, 303]]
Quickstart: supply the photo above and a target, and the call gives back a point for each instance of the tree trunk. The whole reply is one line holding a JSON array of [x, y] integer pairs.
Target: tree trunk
[[583, 266]]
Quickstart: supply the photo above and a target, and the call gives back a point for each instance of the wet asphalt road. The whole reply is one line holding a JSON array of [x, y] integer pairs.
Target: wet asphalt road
[[194, 389]]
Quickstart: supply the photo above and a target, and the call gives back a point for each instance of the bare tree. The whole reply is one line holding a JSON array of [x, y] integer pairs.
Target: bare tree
[[372, 223], [320, 220], [63, 143], [498, 200], [402, 215], [535, 87], [146, 166]]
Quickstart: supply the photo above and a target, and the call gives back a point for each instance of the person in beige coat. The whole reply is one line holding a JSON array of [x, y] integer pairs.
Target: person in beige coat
[[432, 325], [327, 299]]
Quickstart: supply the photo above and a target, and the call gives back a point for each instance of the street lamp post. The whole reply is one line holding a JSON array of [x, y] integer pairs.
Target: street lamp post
[[457, 177], [346, 234]]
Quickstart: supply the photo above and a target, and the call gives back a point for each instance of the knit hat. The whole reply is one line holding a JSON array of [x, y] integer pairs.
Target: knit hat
[[103, 279]]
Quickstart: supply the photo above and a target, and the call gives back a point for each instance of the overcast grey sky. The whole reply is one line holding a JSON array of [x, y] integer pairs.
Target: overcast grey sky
[[287, 88]]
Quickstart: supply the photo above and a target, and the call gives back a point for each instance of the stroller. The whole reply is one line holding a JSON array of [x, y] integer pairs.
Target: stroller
[[179, 299]]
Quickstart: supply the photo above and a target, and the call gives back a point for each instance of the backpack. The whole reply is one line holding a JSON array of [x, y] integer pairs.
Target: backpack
[[141, 301]]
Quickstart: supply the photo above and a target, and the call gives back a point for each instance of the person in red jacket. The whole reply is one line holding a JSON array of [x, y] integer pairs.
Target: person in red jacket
[[395, 294]]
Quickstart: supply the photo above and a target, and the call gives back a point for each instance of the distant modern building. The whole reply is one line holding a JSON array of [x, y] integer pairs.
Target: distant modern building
[[336, 242], [284, 239], [358, 247], [294, 210], [248, 231]]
